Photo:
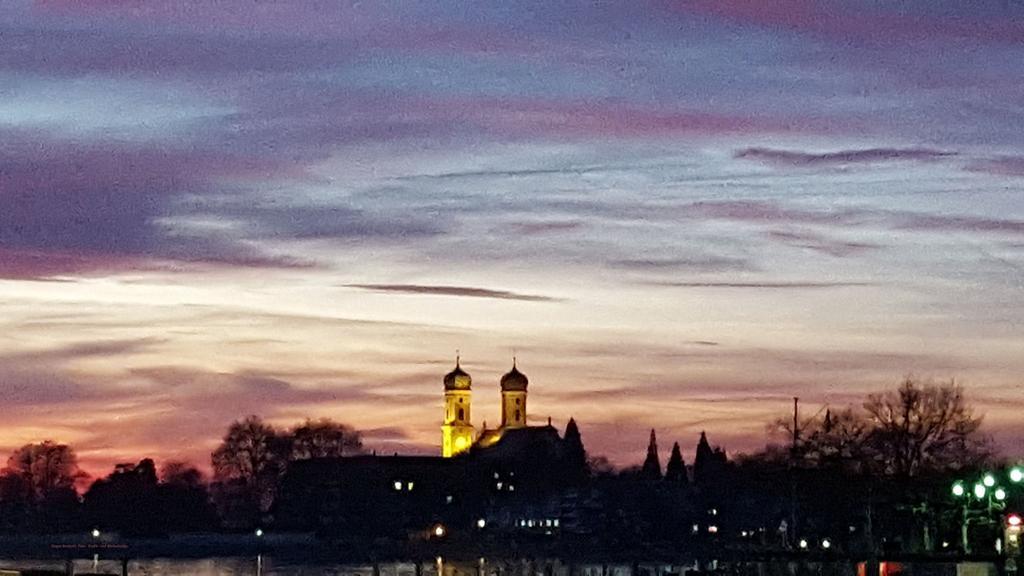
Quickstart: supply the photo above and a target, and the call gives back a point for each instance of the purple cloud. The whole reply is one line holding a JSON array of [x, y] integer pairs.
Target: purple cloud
[[991, 21], [1002, 166], [461, 291], [789, 285], [821, 243], [867, 155]]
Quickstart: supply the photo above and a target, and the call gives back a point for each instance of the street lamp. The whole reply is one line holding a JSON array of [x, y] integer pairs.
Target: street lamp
[[989, 480], [95, 532], [826, 543], [1016, 474], [259, 532], [979, 491], [958, 489], [1000, 494]]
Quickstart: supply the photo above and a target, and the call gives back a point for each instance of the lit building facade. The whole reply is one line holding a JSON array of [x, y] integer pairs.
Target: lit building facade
[[457, 432]]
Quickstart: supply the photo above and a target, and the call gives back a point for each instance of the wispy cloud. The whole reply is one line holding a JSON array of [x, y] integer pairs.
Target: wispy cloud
[[459, 291], [790, 285], [822, 243], [694, 264], [867, 155]]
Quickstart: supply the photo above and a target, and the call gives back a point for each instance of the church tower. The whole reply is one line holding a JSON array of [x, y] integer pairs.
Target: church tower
[[457, 431], [513, 398]]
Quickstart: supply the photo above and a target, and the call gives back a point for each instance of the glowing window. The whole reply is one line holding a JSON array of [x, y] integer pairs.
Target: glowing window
[[398, 485], [409, 486]]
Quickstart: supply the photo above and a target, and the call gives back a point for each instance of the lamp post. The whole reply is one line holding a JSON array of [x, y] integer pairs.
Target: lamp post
[[986, 492]]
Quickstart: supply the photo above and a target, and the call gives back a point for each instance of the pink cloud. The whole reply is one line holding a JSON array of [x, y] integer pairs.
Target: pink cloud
[[850, 22]]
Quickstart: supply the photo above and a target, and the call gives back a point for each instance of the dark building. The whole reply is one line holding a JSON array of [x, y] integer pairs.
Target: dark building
[[515, 477]]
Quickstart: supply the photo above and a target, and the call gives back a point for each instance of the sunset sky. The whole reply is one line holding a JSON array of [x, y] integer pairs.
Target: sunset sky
[[677, 214]]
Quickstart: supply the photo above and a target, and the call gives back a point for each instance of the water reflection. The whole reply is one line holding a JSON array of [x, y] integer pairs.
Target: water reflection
[[262, 565]]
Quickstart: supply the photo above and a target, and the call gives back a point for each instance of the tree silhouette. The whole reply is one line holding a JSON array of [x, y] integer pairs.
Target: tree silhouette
[[126, 501], [652, 466], [324, 438], [177, 473], [575, 455], [923, 426], [44, 468], [250, 460], [708, 462], [675, 470], [185, 498]]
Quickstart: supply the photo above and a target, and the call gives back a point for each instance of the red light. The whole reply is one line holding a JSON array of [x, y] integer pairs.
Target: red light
[[1013, 520]]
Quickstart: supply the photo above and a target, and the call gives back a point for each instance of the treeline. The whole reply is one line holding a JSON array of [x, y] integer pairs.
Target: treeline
[[862, 477], [39, 485]]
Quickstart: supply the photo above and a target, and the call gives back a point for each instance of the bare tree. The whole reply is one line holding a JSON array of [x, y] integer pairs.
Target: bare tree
[[249, 451], [177, 473], [838, 438], [252, 455], [324, 438], [924, 426], [45, 467]]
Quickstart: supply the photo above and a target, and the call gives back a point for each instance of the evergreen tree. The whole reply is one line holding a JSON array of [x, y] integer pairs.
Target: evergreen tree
[[702, 461], [675, 471], [575, 454], [652, 465]]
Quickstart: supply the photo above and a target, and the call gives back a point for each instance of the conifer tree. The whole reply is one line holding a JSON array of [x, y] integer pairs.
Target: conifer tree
[[652, 465], [675, 471]]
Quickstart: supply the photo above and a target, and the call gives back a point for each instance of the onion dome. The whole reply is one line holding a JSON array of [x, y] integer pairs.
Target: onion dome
[[457, 379], [514, 381]]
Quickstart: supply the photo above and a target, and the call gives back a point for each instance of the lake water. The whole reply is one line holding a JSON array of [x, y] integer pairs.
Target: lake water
[[271, 566]]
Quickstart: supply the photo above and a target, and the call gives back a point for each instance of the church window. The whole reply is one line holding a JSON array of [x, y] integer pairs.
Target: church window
[[517, 414], [462, 414], [518, 401]]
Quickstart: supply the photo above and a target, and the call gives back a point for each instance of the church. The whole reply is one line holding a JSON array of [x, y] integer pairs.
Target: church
[[457, 433], [508, 478]]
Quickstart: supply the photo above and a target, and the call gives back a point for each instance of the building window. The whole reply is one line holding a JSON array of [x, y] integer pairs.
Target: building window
[[398, 485], [517, 415], [518, 401], [409, 486], [462, 414]]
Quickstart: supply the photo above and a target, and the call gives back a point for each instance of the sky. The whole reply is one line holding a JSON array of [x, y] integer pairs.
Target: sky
[[676, 214]]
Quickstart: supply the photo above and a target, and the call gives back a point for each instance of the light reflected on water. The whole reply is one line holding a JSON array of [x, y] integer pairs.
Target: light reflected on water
[[262, 565]]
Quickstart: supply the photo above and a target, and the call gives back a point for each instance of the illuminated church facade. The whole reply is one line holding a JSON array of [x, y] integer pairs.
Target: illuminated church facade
[[458, 435]]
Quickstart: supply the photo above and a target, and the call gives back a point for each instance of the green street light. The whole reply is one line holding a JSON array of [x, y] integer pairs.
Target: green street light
[[958, 489], [979, 490], [1016, 474], [989, 480], [1000, 494]]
